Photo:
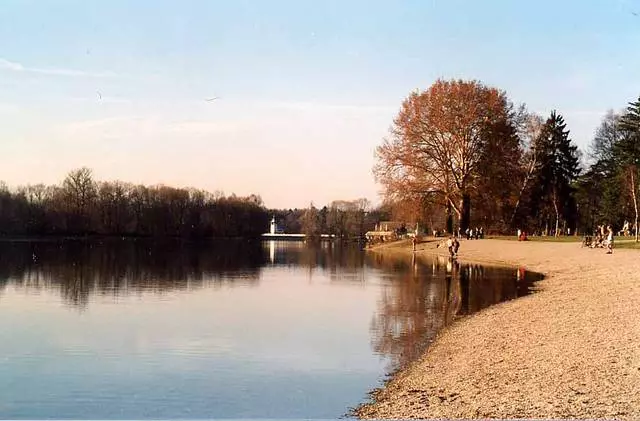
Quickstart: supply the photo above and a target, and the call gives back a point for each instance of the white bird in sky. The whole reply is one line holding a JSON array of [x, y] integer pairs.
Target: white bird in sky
[[212, 99]]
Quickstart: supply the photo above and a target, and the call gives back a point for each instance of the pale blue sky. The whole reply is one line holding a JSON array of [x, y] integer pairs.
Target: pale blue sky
[[307, 89]]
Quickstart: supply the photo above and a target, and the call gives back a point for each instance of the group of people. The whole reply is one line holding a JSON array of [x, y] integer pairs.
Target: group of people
[[471, 234], [477, 233], [522, 235], [627, 229], [602, 238], [453, 245]]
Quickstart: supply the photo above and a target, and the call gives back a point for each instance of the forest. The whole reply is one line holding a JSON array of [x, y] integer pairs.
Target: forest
[[462, 154], [82, 206]]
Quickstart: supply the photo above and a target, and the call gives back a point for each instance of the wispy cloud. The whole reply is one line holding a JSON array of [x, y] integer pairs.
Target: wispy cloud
[[97, 97], [20, 68], [316, 106], [137, 127]]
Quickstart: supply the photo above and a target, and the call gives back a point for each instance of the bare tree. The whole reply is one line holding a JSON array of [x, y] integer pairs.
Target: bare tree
[[530, 135], [438, 141], [80, 191], [310, 225]]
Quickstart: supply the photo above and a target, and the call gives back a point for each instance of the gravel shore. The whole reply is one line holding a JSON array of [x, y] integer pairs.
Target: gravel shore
[[571, 350]]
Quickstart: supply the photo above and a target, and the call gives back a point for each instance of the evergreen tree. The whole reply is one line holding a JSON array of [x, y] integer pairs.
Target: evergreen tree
[[626, 155], [630, 121], [589, 199], [559, 167], [608, 191]]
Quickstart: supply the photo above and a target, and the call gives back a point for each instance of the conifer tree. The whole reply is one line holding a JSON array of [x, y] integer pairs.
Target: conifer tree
[[559, 168], [626, 154]]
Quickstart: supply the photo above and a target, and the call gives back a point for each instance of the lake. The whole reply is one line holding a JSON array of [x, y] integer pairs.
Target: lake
[[125, 329]]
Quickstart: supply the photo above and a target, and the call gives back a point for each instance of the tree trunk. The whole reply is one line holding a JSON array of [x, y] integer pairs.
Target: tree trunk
[[525, 183], [465, 212], [635, 197], [449, 222], [517, 205], [555, 207]]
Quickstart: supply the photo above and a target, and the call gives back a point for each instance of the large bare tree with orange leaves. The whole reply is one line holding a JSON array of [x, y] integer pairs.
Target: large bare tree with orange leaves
[[445, 142]]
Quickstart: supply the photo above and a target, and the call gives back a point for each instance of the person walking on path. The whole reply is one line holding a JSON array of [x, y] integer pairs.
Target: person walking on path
[[609, 240]]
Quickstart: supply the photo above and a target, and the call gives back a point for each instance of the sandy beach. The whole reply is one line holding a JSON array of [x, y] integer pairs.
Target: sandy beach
[[571, 350]]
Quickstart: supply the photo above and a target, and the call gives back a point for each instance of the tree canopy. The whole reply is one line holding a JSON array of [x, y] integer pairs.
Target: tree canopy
[[448, 141]]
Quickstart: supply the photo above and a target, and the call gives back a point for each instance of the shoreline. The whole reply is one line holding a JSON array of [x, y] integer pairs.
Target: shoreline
[[571, 350]]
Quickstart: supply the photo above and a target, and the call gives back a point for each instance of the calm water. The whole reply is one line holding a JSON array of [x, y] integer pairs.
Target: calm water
[[128, 329]]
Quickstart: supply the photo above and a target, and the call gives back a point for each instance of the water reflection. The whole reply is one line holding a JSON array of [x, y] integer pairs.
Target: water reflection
[[418, 296], [79, 269], [342, 263], [319, 326], [426, 295]]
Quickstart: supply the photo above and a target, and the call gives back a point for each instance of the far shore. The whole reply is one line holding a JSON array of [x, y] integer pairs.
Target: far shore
[[571, 350]]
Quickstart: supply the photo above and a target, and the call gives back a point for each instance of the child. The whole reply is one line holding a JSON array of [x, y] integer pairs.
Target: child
[[609, 240]]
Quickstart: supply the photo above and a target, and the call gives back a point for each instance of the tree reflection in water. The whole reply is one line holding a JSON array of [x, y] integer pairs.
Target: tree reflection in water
[[340, 262], [79, 269], [417, 298], [428, 294]]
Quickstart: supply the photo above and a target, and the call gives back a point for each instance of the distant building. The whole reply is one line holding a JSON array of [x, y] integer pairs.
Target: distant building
[[390, 226], [391, 230], [274, 228]]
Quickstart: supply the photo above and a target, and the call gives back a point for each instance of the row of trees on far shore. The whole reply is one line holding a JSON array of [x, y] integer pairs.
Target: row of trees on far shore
[[461, 154], [345, 219], [84, 206], [81, 206]]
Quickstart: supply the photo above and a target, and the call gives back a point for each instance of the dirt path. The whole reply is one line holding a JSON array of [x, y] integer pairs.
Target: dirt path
[[571, 350]]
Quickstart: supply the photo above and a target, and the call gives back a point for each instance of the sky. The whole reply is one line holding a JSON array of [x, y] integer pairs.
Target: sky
[[306, 89]]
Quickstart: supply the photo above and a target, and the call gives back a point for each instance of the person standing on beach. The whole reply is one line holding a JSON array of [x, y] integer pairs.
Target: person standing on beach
[[450, 246], [609, 240], [456, 246]]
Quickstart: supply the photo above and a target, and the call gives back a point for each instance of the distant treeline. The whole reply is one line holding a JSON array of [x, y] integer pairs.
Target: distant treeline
[[84, 206], [346, 219]]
